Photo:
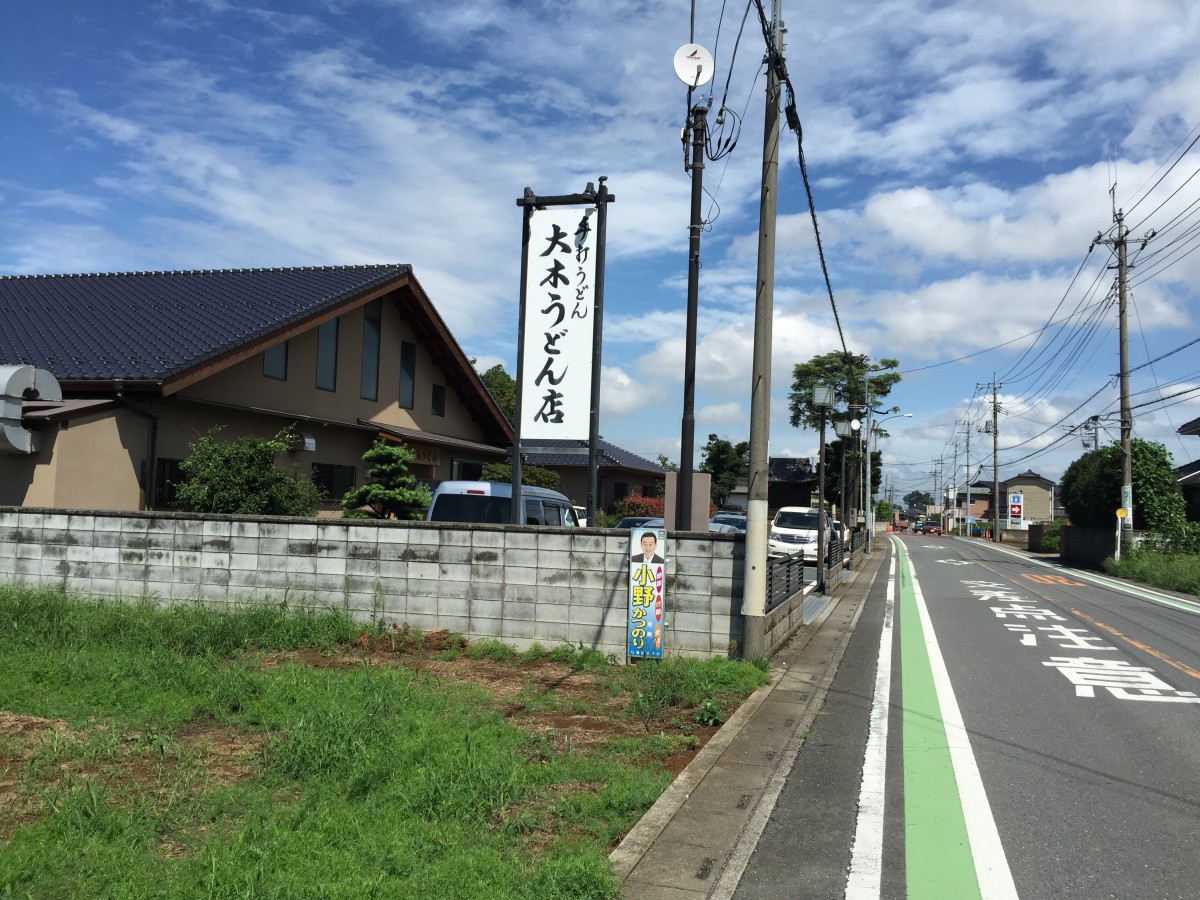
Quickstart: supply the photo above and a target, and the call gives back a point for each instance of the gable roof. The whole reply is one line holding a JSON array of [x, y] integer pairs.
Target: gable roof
[[1192, 427], [542, 454], [163, 331]]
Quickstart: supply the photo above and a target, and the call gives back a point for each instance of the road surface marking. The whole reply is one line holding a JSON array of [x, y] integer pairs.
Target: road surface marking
[[1145, 648], [866, 856], [952, 846]]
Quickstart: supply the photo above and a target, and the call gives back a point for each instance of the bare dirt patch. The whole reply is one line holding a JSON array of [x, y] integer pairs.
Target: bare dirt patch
[[570, 711], [585, 714]]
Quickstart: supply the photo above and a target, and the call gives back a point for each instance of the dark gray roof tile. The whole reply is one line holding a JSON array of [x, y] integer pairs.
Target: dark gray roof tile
[[149, 326]]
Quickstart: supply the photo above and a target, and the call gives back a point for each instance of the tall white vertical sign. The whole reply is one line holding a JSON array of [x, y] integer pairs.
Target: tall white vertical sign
[[556, 384]]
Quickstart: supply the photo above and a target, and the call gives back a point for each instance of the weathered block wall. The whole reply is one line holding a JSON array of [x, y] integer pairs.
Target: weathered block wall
[[517, 585]]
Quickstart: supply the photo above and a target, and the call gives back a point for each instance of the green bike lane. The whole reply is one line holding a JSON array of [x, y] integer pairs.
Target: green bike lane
[[910, 833], [983, 771], [952, 848]]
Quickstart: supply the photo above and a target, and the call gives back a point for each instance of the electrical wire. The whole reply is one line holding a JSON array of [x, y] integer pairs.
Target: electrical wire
[[1169, 169]]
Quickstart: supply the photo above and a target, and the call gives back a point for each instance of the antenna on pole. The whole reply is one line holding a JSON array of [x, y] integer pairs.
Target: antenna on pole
[[693, 65]]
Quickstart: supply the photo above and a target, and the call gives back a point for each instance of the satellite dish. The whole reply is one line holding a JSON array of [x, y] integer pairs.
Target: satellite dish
[[693, 65]]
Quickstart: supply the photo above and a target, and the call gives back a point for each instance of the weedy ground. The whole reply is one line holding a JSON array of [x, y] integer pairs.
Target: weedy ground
[[268, 752]]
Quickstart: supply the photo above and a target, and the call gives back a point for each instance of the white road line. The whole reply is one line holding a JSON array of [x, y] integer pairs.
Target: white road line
[[866, 857], [991, 865]]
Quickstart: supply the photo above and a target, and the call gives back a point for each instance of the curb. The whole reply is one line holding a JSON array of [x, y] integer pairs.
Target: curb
[[642, 836]]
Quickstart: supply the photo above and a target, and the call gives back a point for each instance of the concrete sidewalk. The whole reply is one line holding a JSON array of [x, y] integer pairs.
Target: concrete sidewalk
[[696, 840]]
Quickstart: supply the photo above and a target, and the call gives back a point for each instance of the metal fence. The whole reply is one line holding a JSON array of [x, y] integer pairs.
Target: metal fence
[[785, 577]]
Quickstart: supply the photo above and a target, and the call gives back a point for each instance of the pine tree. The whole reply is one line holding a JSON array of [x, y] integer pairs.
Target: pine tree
[[394, 492]]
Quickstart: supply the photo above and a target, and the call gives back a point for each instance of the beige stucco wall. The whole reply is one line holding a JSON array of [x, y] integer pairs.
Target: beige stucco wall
[[245, 384], [100, 462], [94, 462]]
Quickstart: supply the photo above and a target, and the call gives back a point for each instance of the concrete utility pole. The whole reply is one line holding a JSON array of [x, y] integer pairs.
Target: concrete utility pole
[[995, 460], [967, 523], [683, 498], [1121, 242], [952, 490], [1126, 410], [754, 593], [995, 429]]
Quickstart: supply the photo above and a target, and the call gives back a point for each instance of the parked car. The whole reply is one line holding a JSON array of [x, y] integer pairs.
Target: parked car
[[491, 502], [728, 522], [931, 527], [635, 521], [794, 530]]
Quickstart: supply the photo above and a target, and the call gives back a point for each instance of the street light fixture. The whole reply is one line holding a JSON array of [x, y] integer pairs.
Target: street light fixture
[[845, 429]]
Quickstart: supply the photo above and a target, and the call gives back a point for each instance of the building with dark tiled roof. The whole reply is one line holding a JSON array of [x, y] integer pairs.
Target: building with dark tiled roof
[[147, 362], [1188, 475], [620, 473]]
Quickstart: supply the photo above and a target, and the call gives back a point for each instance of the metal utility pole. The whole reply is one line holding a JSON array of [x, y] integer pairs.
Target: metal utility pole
[[1120, 242], [683, 496], [754, 593]]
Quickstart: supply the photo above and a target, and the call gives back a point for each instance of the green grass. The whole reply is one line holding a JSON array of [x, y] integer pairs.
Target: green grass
[[1172, 571], [369, 781]]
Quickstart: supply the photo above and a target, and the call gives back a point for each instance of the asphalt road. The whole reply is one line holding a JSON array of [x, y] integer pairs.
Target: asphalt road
[[1032, 731]]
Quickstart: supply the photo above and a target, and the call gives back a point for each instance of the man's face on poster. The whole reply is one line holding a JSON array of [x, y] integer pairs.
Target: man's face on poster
[[649, 543]]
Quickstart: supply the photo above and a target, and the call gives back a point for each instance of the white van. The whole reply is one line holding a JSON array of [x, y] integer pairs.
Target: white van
[[794, 530], [490, 502]]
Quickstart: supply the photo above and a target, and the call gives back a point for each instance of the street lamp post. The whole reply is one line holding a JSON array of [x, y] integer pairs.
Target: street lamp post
[[823, 401], [871, 506], [845, 429]]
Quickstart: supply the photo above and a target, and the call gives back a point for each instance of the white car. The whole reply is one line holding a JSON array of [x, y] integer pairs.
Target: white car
[[794, 530]]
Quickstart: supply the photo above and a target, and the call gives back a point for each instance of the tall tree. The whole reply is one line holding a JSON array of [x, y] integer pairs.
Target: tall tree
[[726, 463], [1091, 488], [857, 381], [919, 499], [503, 388]]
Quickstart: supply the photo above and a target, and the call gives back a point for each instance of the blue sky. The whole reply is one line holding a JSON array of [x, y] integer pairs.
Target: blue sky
[[961, 157]]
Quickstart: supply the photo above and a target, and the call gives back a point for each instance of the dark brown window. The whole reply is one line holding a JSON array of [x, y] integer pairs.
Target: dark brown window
[[327, 347], [275, 362], [372, 316], [408, 374]]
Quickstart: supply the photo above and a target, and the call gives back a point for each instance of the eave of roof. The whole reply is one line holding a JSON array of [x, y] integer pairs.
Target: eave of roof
[[412, 435]]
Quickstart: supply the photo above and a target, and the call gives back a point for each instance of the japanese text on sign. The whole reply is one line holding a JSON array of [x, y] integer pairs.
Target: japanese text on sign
[[647, 592], [556, 384]]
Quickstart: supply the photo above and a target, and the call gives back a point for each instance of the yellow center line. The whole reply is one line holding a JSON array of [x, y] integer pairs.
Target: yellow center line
[[1162, 657]]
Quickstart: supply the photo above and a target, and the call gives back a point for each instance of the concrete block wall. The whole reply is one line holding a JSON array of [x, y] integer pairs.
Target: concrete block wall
[[516, 585]]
